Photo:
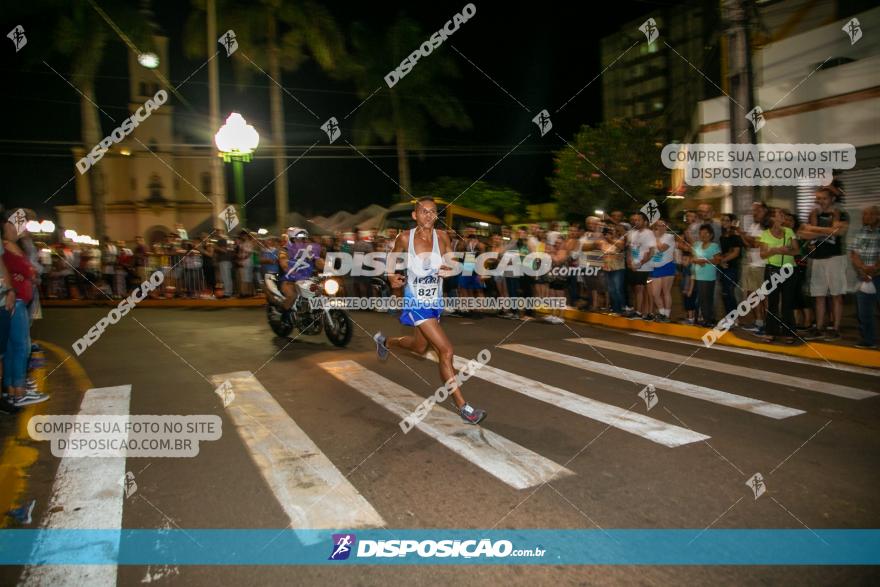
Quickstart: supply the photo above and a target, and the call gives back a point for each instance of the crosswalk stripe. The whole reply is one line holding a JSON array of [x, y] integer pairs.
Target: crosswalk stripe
[[728, 369], [708, 394], [652, 429], [296, 470], [767, 355], [513, 464], [86, 493]]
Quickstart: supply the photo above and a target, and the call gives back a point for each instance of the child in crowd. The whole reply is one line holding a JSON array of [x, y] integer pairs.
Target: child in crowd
[[688, 291]]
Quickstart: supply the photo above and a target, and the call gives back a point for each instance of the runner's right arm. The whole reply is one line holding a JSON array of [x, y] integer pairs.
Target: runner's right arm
[[401, 243]]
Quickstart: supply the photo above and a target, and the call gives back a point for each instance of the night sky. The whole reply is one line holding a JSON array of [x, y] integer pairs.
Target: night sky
[[542, 53]]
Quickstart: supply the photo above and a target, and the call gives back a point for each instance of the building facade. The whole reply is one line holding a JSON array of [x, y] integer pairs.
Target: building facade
[[814, 87], [659, 82], [153, 179]]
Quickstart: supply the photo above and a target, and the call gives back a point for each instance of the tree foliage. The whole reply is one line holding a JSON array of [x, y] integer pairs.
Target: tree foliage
[[481, 195], [614, 165]]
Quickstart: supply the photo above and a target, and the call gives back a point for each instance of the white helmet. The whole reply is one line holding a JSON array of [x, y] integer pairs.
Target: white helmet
[[296, 232]]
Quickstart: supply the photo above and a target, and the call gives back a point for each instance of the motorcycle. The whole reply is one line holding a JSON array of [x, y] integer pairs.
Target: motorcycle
[[335, 322]]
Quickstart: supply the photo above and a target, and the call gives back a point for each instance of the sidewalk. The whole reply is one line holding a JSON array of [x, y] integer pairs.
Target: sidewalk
[[815, 350], [253, 302]]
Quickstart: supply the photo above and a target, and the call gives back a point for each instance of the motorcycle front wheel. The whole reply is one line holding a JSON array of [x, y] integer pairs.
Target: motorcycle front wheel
[[341, 330]]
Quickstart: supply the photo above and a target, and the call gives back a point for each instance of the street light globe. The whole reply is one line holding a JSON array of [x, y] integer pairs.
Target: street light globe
[[149, 60], [236, 136], [262, 231], [32, 226], [47, 226], [71, 234]]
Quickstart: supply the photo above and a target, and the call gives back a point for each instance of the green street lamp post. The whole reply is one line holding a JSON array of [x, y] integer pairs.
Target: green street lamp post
[[236, 140]]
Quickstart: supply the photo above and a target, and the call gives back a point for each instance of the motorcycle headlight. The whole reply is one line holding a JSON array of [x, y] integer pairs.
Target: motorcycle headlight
[[331, 286]]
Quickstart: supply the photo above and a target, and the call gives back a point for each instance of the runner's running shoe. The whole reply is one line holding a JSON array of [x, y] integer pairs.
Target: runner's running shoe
[[29, 398], [472, 415], [381, 349]]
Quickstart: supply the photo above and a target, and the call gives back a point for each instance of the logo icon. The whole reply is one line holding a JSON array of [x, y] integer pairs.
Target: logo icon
[[756, 117], [224, 390], [649, 27], [302, 260], [543, 121], [854, 29], [19, 220], [652, 211], [331, 127], [229, 42], [649, 394], [230, 217], [18, 39], [129, 484], [342, 546], [756, 484]]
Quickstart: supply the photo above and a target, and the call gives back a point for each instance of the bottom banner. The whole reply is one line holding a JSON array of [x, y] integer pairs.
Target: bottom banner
[[439, 547]]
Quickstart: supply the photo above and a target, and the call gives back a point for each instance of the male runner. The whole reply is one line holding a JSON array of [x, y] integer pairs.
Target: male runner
[[422, 294]]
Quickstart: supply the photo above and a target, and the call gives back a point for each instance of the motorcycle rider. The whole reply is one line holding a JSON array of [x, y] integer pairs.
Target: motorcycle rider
[[297, 260]]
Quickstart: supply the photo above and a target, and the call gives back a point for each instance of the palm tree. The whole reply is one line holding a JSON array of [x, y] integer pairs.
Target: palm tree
[[81, 34], [402, 114], [277, 36]]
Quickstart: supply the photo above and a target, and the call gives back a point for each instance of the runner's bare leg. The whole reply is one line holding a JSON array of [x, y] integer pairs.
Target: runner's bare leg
[[430, 332]]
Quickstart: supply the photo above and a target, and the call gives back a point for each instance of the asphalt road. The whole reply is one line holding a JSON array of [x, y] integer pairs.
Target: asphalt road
[[815, 443]]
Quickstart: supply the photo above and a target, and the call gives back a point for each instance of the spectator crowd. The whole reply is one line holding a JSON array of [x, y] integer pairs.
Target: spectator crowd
[[641, 268]]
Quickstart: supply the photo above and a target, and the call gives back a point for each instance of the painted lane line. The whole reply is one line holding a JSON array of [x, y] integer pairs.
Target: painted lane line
[[509, 462], [628, 421], [87, 494], [728, 369], [295, 469], [708, 394], [765, 354]]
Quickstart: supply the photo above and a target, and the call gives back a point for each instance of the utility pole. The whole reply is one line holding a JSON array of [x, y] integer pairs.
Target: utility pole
[[218, 187], [739, 82], [276, 108]]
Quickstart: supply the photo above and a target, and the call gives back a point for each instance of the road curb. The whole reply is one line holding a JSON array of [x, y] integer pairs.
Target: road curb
[[18, 453], [818, 351], [154, 303]]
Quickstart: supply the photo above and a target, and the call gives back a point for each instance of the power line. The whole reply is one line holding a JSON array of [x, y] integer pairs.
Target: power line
[[404, 95]]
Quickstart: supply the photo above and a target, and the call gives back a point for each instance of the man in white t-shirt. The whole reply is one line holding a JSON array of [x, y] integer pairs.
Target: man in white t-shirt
[[640, 248], [753, 269]]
